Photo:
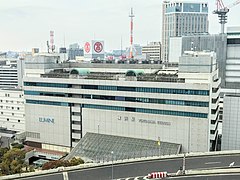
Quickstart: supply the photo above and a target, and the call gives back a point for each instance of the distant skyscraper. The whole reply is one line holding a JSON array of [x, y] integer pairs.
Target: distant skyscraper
[[182, 18], [74, 50]]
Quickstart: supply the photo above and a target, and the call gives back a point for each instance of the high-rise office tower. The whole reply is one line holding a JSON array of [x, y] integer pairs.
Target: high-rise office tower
[[182, 18]]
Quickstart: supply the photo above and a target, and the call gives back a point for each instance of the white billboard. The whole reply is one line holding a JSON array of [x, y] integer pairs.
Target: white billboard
[[98, 47]]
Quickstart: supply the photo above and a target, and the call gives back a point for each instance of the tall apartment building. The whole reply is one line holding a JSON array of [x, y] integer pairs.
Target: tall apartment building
[[182, 18], [12, 110], [152, 51], [180, 107]]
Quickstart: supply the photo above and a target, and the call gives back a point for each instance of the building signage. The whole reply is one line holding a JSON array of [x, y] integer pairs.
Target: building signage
[[144, 121], [46, 120], [98, 47], [87, 47]]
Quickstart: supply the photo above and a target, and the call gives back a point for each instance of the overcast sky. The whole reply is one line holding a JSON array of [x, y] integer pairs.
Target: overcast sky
[[26, 23]]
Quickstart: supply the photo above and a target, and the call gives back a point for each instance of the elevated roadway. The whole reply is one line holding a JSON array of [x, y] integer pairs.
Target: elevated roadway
[[140, 169]]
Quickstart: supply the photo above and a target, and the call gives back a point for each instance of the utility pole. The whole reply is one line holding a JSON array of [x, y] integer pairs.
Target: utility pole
[[112, 164], [184, 163], [159, 146]]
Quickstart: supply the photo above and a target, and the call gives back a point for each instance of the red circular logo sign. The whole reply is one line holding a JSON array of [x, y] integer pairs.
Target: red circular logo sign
[[98, 47], [87, 47]]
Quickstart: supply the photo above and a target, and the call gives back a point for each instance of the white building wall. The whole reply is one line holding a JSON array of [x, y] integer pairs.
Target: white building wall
[[48, 124], [12, 110], [193, 134], [152, 51], [175, 49], [231, 123]]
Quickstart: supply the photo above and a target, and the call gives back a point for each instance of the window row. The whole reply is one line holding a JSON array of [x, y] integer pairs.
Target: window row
[[57, 85], [13, 120], [121, 98], [28, 101], [125, 88], [8, 107], [148, 111]]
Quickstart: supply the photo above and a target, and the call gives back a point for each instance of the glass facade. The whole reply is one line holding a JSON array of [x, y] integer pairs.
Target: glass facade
[[28, 101], [125, 88], [57, 85], [121, 98], [148, 111], [187, 7], [191, 7], [175, 8]]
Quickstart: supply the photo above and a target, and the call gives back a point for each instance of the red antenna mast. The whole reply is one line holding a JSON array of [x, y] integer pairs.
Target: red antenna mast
[[52, 46], [131, 34]]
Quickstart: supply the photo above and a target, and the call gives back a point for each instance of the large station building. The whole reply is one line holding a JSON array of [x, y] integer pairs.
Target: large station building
[[176, 106]]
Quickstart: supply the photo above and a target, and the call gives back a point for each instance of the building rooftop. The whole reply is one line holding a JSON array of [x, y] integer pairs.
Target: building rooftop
[[130, 75]]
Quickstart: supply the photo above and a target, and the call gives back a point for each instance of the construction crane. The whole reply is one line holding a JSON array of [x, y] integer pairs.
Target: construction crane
[[222, 11]]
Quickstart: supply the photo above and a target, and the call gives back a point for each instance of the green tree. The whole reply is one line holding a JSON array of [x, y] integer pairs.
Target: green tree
[[13, 162], [2, 152], [76, 161]]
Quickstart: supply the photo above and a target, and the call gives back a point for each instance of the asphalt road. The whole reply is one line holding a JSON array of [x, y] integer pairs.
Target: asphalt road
[[141, 169], [235, 176]]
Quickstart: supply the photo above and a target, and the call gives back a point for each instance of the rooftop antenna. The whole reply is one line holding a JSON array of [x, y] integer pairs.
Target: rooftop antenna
[[121, 46], [51, 46], [64, 41], [131, 33]]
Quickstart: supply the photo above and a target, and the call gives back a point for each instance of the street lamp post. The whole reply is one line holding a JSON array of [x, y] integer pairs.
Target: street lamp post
[[159, 146], [98, 157], [184, 163], [189, 136], [112, 164]]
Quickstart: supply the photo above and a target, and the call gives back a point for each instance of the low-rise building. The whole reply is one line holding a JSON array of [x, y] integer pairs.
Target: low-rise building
[[152, 51]]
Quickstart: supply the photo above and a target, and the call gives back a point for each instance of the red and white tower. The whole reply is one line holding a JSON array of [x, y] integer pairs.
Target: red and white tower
[[52, 47], [131, 34]]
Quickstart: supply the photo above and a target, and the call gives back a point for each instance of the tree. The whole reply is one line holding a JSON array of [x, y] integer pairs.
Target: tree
[[13, 162], [76, 161], [2, 152]]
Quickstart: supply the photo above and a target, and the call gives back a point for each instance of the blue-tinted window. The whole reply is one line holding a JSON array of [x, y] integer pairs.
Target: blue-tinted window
[[44, 93], [57, 85], [191, 7], [124, 88], [148, 111], [174, 8], [204, 8], [113, 108], [122, 98], [28, 101]]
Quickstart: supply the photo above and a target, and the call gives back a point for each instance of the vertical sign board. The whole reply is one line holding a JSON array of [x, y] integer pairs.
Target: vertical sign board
[[87, 48], [87, 51]]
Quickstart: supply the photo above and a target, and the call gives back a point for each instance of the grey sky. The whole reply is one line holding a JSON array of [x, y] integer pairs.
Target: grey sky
[[26, 23]]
